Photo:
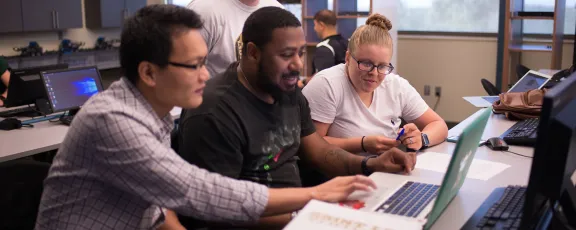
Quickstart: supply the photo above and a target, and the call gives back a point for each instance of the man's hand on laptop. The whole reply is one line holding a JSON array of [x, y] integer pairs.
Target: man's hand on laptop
[[339, 188], [393, 161]]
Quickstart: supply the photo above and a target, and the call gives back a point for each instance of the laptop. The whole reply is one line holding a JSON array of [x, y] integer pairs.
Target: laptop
[[531, 80], [421, 202]]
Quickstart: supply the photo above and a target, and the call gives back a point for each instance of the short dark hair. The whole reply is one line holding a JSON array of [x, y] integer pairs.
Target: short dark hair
[[328, 17], [147, 35], [261, 23]]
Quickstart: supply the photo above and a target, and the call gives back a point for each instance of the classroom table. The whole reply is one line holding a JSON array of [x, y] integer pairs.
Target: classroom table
[[44, 136], [473, 191]]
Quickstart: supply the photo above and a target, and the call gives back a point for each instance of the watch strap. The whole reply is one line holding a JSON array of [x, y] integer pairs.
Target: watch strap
[[365, 170]]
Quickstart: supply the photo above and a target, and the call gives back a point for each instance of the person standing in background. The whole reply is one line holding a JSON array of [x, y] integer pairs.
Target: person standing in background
[[332, 50], [223, 22]]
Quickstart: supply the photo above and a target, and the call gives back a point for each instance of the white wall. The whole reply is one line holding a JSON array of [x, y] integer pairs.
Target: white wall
[[457, 64]]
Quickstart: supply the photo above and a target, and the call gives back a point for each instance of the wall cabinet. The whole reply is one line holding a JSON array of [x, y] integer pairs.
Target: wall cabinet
[[110, 13]]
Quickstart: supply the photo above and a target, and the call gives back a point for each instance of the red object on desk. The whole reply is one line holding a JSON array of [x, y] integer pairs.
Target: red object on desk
[[355, 204]]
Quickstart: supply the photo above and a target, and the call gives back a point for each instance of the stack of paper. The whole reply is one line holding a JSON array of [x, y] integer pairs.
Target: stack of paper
[[480, 169], [318, 215]]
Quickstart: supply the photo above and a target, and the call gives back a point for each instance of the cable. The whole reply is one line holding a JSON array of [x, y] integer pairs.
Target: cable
[[436, 104], [518, 154]]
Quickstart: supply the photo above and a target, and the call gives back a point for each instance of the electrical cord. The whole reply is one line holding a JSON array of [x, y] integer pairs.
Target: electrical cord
[[508, 151], [437, 102]]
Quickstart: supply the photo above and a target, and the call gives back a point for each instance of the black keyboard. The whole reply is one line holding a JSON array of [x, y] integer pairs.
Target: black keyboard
[[410, 199], [501, 210], [522, 133], [19, 112]]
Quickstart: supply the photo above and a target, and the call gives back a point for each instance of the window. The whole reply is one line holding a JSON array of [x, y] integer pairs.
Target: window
[[178, 2], [546, 26], [474, 16]]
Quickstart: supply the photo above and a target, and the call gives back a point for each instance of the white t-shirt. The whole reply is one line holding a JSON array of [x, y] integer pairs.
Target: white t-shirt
[[223, 23], [333, 100]]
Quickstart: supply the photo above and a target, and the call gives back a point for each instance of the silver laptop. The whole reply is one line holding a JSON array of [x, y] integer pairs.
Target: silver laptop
[[530, 80], [421, 202]]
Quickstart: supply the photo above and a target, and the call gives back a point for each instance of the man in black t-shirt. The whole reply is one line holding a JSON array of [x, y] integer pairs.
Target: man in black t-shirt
[[332, 49], [254, 123]]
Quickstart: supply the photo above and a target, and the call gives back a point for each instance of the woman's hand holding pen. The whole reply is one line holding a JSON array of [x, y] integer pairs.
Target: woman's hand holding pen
[[379, 144], [412, 137]]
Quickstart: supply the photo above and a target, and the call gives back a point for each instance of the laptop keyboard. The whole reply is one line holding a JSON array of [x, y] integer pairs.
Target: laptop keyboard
[[410, 199]]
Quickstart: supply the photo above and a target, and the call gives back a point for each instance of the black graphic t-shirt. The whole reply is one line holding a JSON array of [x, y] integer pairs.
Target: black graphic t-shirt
[[240, 136]]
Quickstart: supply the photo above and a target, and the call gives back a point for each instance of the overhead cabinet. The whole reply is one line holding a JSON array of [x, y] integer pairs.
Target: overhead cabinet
[[45, 15], [110, 13]]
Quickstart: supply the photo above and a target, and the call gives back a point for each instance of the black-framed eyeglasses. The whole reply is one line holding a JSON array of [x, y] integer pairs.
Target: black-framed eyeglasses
[[369, 66], [196, 66]]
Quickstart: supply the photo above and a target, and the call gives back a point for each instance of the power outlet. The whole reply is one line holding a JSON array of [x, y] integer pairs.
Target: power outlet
[[426, 90], [438, 91]]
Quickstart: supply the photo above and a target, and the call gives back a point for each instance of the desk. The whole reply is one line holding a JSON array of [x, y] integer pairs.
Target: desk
[[45, 136], [474, 192]]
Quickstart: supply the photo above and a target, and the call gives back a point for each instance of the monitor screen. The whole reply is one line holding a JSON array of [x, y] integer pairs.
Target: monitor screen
[[554, 156], [70, 89], [530, 81], [25, 85]]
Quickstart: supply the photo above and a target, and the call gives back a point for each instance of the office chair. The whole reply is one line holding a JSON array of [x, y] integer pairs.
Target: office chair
[[489, 87], [22, 186], [521, 70]]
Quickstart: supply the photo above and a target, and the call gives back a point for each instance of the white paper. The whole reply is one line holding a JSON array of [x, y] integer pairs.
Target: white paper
[[480, 169], [319, 215], [478, 102]]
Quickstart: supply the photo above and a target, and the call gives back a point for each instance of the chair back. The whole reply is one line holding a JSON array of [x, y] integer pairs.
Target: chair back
[[21, 186]]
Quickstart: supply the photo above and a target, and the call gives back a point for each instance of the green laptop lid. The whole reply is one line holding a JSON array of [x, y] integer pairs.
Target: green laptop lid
[[459, 165]]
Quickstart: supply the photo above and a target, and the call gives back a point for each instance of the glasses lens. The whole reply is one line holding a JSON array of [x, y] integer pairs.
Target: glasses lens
[[365, 66]]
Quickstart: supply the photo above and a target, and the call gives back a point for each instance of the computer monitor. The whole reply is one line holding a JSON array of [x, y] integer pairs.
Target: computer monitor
[[68, 90], [550, 187], [25, 85]]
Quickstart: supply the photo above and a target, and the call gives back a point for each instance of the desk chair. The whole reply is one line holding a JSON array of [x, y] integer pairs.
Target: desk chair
[[490, 88], [22, 185]]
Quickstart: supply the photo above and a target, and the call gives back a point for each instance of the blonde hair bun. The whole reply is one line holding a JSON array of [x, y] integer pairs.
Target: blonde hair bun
[[379, 21]]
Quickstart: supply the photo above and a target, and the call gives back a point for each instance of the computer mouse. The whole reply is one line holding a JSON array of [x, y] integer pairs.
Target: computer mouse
[[497, 144], [10, 124]]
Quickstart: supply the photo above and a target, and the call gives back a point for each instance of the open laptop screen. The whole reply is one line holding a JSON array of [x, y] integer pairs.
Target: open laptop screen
[[530, 81]]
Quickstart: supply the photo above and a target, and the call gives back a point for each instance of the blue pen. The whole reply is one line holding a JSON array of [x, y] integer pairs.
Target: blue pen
[[400, 134]]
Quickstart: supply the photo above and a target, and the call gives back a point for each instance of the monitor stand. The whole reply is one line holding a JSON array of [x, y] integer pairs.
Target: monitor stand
[[561, 215]]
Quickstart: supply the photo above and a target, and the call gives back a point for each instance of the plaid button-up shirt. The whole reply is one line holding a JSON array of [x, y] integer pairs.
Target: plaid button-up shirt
[[116, 170]]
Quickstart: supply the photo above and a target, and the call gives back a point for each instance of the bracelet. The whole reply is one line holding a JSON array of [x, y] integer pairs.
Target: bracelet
[[362, 144]]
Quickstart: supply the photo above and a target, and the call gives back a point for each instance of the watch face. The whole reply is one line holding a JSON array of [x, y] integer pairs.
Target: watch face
[[425, 140]]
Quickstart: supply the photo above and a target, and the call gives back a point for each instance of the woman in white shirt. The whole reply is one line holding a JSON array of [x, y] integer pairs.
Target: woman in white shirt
[[358, 105]]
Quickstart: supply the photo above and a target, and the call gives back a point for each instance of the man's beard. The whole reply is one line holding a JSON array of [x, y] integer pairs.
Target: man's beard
[[267, 85]]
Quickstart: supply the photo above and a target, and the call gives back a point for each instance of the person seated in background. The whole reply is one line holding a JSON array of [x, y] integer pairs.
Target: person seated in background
[[223, 21], [358, 105], [332, 50], [255, 123], [116, 169], [4, 80]]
